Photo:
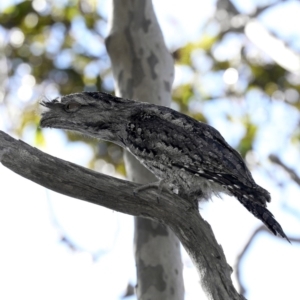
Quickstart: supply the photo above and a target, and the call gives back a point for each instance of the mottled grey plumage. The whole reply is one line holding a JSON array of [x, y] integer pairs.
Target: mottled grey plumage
[[186, 154]]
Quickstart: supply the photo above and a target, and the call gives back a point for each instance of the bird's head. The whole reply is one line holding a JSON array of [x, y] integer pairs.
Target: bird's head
[[95, 114]]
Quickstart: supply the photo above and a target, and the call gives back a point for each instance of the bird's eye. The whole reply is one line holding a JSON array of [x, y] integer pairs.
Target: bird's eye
[[72, 107]]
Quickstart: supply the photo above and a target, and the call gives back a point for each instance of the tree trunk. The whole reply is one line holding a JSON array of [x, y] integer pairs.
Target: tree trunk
[[143, 70]]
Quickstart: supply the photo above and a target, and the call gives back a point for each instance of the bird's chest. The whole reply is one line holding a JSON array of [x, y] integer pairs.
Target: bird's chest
[[159, 165], [162, 166]]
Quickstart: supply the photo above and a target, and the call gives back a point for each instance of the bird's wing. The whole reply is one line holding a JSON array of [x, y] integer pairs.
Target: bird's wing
[[174, 138]]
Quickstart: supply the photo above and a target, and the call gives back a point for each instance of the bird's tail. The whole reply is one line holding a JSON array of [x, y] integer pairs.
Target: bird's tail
[[254, 198], [264, 215]]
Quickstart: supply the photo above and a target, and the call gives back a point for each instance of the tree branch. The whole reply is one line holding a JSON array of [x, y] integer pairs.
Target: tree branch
[[242, 288], [275, 159], [69, 179], [260, 229]]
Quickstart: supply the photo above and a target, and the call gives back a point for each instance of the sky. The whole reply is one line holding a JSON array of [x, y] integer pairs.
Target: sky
[[33, 220]]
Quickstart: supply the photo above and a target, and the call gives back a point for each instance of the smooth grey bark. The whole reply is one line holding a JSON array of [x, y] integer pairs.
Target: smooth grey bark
[[179, 215], [143, 70]]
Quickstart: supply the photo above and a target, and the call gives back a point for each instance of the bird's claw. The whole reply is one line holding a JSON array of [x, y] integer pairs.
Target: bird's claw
[[158, 184]]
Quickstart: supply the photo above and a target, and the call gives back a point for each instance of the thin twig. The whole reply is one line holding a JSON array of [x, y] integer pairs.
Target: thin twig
[[276, 160]]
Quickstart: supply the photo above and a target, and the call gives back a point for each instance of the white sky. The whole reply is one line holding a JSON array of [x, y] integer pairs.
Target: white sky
[[34, 264]]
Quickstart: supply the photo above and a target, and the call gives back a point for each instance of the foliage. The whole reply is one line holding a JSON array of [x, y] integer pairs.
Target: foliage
[[51, 48]]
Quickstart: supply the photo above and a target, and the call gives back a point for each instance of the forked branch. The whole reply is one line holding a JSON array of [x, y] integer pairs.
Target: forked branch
[[72, 180]]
